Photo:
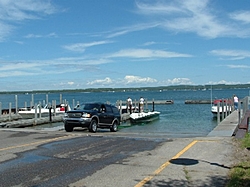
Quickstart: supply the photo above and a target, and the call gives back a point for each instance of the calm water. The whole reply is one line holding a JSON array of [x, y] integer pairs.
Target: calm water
[[179, 119]]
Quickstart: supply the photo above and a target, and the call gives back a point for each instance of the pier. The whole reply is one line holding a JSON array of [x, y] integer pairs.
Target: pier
[[227, 127], [151, 102], [198, 102], [236, 123], [10, 118], [20, 123]]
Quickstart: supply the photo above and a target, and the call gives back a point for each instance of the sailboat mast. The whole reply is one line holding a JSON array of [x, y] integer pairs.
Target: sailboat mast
[[211, 95]]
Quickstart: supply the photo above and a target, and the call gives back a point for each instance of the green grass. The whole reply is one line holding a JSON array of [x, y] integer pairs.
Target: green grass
[[240, 173], [186, 174], [245, 142]]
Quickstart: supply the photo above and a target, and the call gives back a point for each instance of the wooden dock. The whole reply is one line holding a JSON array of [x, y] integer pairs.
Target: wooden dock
[[10, 117], [30, 122], [169, 102], [198, 101], [156, 102]]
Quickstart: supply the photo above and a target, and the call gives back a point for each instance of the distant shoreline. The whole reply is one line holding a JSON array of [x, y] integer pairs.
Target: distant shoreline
[[160, 88]]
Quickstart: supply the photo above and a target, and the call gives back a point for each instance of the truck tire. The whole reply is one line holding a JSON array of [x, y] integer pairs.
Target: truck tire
[[114, 127], [93, 126], [68, 128]]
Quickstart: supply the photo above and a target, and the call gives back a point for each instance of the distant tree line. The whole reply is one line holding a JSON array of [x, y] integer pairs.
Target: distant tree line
[[163, 88]]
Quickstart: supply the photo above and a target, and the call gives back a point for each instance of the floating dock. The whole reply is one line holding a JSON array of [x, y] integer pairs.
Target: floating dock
[[10, 117], [20, 123], [198, 102], [167, 102], [156, 102]]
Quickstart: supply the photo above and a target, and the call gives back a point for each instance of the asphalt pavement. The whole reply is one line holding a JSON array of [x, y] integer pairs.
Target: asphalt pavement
[[198, 161]]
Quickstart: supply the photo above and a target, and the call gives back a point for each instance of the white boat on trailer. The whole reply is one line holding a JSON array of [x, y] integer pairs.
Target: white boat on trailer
[[137, 116], [144, 117]]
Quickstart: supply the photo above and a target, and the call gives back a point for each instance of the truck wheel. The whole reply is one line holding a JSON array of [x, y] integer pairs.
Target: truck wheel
[[68, 128], [114, 127], [93, 126]]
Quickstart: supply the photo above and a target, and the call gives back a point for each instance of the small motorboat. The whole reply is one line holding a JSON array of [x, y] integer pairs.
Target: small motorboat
[[139, 117], [169, 102], [144, 117]]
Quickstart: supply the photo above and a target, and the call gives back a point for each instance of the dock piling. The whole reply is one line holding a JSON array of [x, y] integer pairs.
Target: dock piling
[[50, 113], [60, 98], [218, 113], [9, 111], [32, 100], [35, 120], [16, 99], [47, 98], [40, 110], [153, 102], [223, 109]]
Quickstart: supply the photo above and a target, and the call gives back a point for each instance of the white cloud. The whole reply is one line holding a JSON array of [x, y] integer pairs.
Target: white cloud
[[231, 54], [12, 12], [5, 29], [99, 82], [13, 69], [25, 9], [194, 16], [66, 84], [149, 43], [233, 66], [243, 16], [80, 47], [222, 82], [157, 8], [133, 28], [16, 73], [131, 79], [81, 61], [41, 67], [147, 53], [50, 35], [20, 65], [178, 81]]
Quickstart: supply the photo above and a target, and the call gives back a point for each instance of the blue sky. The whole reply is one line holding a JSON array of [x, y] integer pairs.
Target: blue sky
[[62, 44]]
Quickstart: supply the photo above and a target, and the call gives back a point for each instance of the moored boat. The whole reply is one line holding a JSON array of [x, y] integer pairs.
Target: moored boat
[[169, 102], [221, 105], [28, 113]]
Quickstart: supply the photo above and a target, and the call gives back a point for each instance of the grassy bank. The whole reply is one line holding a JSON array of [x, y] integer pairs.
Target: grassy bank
[[240, 173]]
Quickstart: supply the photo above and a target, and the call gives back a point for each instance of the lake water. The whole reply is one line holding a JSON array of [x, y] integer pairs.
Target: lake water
[[178, 119]]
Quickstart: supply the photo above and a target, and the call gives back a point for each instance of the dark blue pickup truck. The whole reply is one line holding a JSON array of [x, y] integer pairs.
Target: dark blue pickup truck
[[92, 116]]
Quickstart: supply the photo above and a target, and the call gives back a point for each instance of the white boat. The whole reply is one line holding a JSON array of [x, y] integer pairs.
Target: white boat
[[144, 117], [227, 106], [28, 113], [125, 109], [139, 117]]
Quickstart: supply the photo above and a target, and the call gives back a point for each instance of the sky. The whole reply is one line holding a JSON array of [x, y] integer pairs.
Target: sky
[[79, 44]]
